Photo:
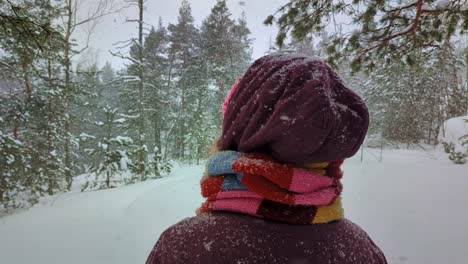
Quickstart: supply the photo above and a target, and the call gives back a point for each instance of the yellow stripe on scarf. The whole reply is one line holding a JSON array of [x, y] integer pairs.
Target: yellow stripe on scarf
[[329, 213], [319, 168], [320, 165]]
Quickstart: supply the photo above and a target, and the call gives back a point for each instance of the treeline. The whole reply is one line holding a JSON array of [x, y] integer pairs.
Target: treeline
[[59, 120], [410, 102], [408, 99]]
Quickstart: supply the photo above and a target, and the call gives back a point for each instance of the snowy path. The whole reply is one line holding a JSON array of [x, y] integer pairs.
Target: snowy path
[[413, 205], [111, 226]]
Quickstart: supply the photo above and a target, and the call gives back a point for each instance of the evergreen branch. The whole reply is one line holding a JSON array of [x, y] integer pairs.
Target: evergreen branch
[[411, 29], [13, 8], [8, 66], [399, 9]]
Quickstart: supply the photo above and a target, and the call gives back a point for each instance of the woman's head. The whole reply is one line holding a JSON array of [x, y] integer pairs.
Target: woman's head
[[296, 109]]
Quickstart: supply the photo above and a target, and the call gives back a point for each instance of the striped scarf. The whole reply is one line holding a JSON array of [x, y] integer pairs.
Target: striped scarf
[[257, 185]]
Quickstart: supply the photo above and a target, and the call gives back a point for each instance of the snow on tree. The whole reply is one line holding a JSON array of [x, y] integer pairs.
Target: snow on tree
[[109, 151], [226, 46], [381, 29]]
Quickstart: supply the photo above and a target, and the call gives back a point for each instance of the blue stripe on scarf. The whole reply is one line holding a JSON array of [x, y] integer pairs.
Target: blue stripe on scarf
[[221, 163]]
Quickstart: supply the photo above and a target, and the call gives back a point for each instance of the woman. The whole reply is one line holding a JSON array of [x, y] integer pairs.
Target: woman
[[273, 188]]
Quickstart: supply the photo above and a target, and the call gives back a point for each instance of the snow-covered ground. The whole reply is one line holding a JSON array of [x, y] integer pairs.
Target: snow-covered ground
[[413, 204]]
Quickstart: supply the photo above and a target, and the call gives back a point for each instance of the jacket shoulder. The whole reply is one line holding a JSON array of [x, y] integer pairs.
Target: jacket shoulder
[[234, 238]]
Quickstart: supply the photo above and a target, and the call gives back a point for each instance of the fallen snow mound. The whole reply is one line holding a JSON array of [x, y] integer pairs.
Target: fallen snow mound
[[453, 131]]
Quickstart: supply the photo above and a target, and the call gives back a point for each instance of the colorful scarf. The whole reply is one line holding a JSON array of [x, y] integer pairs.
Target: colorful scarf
[[257, 185]]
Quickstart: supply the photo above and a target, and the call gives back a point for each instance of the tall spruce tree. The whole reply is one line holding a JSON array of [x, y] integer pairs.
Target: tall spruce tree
[[156, 95], [133, 95], [226, 49], [183, 38], [31, 119]]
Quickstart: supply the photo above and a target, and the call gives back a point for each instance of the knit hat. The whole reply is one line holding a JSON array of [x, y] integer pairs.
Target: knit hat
[[295, 109]]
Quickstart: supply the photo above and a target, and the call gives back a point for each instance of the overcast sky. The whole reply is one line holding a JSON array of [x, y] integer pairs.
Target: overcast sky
[[113, 27]]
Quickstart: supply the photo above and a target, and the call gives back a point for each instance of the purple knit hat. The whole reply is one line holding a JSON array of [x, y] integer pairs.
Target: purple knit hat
[[296, 109]]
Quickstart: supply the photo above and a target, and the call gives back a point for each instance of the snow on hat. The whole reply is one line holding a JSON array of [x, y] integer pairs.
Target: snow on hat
[[296, 109]]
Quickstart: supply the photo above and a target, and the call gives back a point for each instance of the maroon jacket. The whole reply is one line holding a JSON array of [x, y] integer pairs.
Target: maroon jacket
[[234, 238]]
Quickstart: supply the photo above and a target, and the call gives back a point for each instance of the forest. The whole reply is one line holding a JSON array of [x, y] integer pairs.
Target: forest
[[62, 117]]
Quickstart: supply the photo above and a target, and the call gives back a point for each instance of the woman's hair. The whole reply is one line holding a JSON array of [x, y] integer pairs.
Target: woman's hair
[[215, 146]]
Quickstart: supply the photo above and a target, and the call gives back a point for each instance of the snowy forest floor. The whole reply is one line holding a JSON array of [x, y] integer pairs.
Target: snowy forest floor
[[413, 204]]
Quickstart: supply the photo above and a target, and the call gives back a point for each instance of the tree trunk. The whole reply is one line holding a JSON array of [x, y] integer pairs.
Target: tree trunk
[[16, 128], [27, 92], [50, 145], [181, 132], [168, 85], [27, 81], [107, 179], [107, 164], [157, 134], [3, 185], [141, 122], [67, 91]]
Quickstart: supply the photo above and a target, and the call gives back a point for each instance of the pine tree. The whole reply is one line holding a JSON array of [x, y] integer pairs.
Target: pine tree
[[110, 152], [156, 67], [13, 157], [305, 46], [199, 128], [109, 92], [243, 45], [183, 38], [31, 131], [133, 96], [88, 104], [225, 47]]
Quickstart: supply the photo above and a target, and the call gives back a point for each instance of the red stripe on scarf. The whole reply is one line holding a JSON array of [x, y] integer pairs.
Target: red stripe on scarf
[[257, 164], [212, 186]]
